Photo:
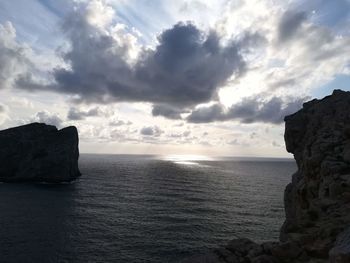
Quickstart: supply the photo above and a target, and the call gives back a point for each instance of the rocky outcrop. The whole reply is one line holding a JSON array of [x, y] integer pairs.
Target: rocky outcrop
[[39, 153], [317, 201]]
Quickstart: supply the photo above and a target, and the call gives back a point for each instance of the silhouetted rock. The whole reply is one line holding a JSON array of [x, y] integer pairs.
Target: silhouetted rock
[[317, 201], [39, 153]]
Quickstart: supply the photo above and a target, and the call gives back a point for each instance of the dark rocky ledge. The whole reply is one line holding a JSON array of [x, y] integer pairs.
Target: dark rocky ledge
[[317, 201], [39, 153]]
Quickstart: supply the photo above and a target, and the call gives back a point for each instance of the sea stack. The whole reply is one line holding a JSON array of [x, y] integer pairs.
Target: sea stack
[[39, 153], [317, 201]]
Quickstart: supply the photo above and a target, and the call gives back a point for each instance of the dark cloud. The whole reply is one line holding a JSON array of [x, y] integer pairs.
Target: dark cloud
[[207, 114], [151, 131], [289, 24], [186, 68], [167, 111], [249, 110], [76, 114]]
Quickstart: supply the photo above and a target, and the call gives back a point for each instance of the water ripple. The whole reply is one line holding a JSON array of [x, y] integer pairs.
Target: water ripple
[[139, 209]]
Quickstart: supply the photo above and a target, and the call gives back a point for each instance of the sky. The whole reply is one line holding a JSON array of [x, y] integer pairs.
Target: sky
[[187, 77]]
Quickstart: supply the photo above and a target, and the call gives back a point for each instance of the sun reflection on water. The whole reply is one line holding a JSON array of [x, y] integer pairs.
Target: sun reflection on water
[[186, 159]]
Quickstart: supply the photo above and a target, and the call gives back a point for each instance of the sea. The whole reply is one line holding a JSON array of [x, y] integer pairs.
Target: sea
[[133, 208]]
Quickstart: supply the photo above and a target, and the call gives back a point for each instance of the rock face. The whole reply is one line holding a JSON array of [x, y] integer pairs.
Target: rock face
[[39, 153], [317, 201]]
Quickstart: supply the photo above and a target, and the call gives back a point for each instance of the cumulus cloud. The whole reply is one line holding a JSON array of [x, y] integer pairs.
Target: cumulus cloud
[[77, 114], [249, 110], [188, 66], [106, 63], [48, 118], [151, 131]]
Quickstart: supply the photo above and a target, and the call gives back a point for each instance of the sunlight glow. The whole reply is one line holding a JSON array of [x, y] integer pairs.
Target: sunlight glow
[[185, 158]]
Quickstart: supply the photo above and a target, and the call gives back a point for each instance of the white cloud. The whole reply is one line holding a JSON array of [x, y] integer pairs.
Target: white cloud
[[13, 56], [309, 57], [47, 118]]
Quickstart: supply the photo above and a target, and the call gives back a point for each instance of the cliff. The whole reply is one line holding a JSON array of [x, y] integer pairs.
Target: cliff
[[317, 201], [39, 153]]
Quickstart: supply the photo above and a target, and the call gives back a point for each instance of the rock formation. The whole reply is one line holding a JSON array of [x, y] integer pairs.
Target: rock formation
[[317, 201], [39, 153]]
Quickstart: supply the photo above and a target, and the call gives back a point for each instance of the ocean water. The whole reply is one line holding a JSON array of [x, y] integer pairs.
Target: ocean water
[[143, 209]]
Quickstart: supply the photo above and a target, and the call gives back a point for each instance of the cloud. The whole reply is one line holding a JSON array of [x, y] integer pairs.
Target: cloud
[[207, 114], [48, 118], [21, 67], [167, 111], [13, 56], [188, 66], [119, 123], [282, 53], [180, 124], [107, 63], [289, 24], [312, 54], [21, 102], [249, 110], [2, 108], [3, 113], [253, 135], [180, 135], [76, 114], [151, 131]]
